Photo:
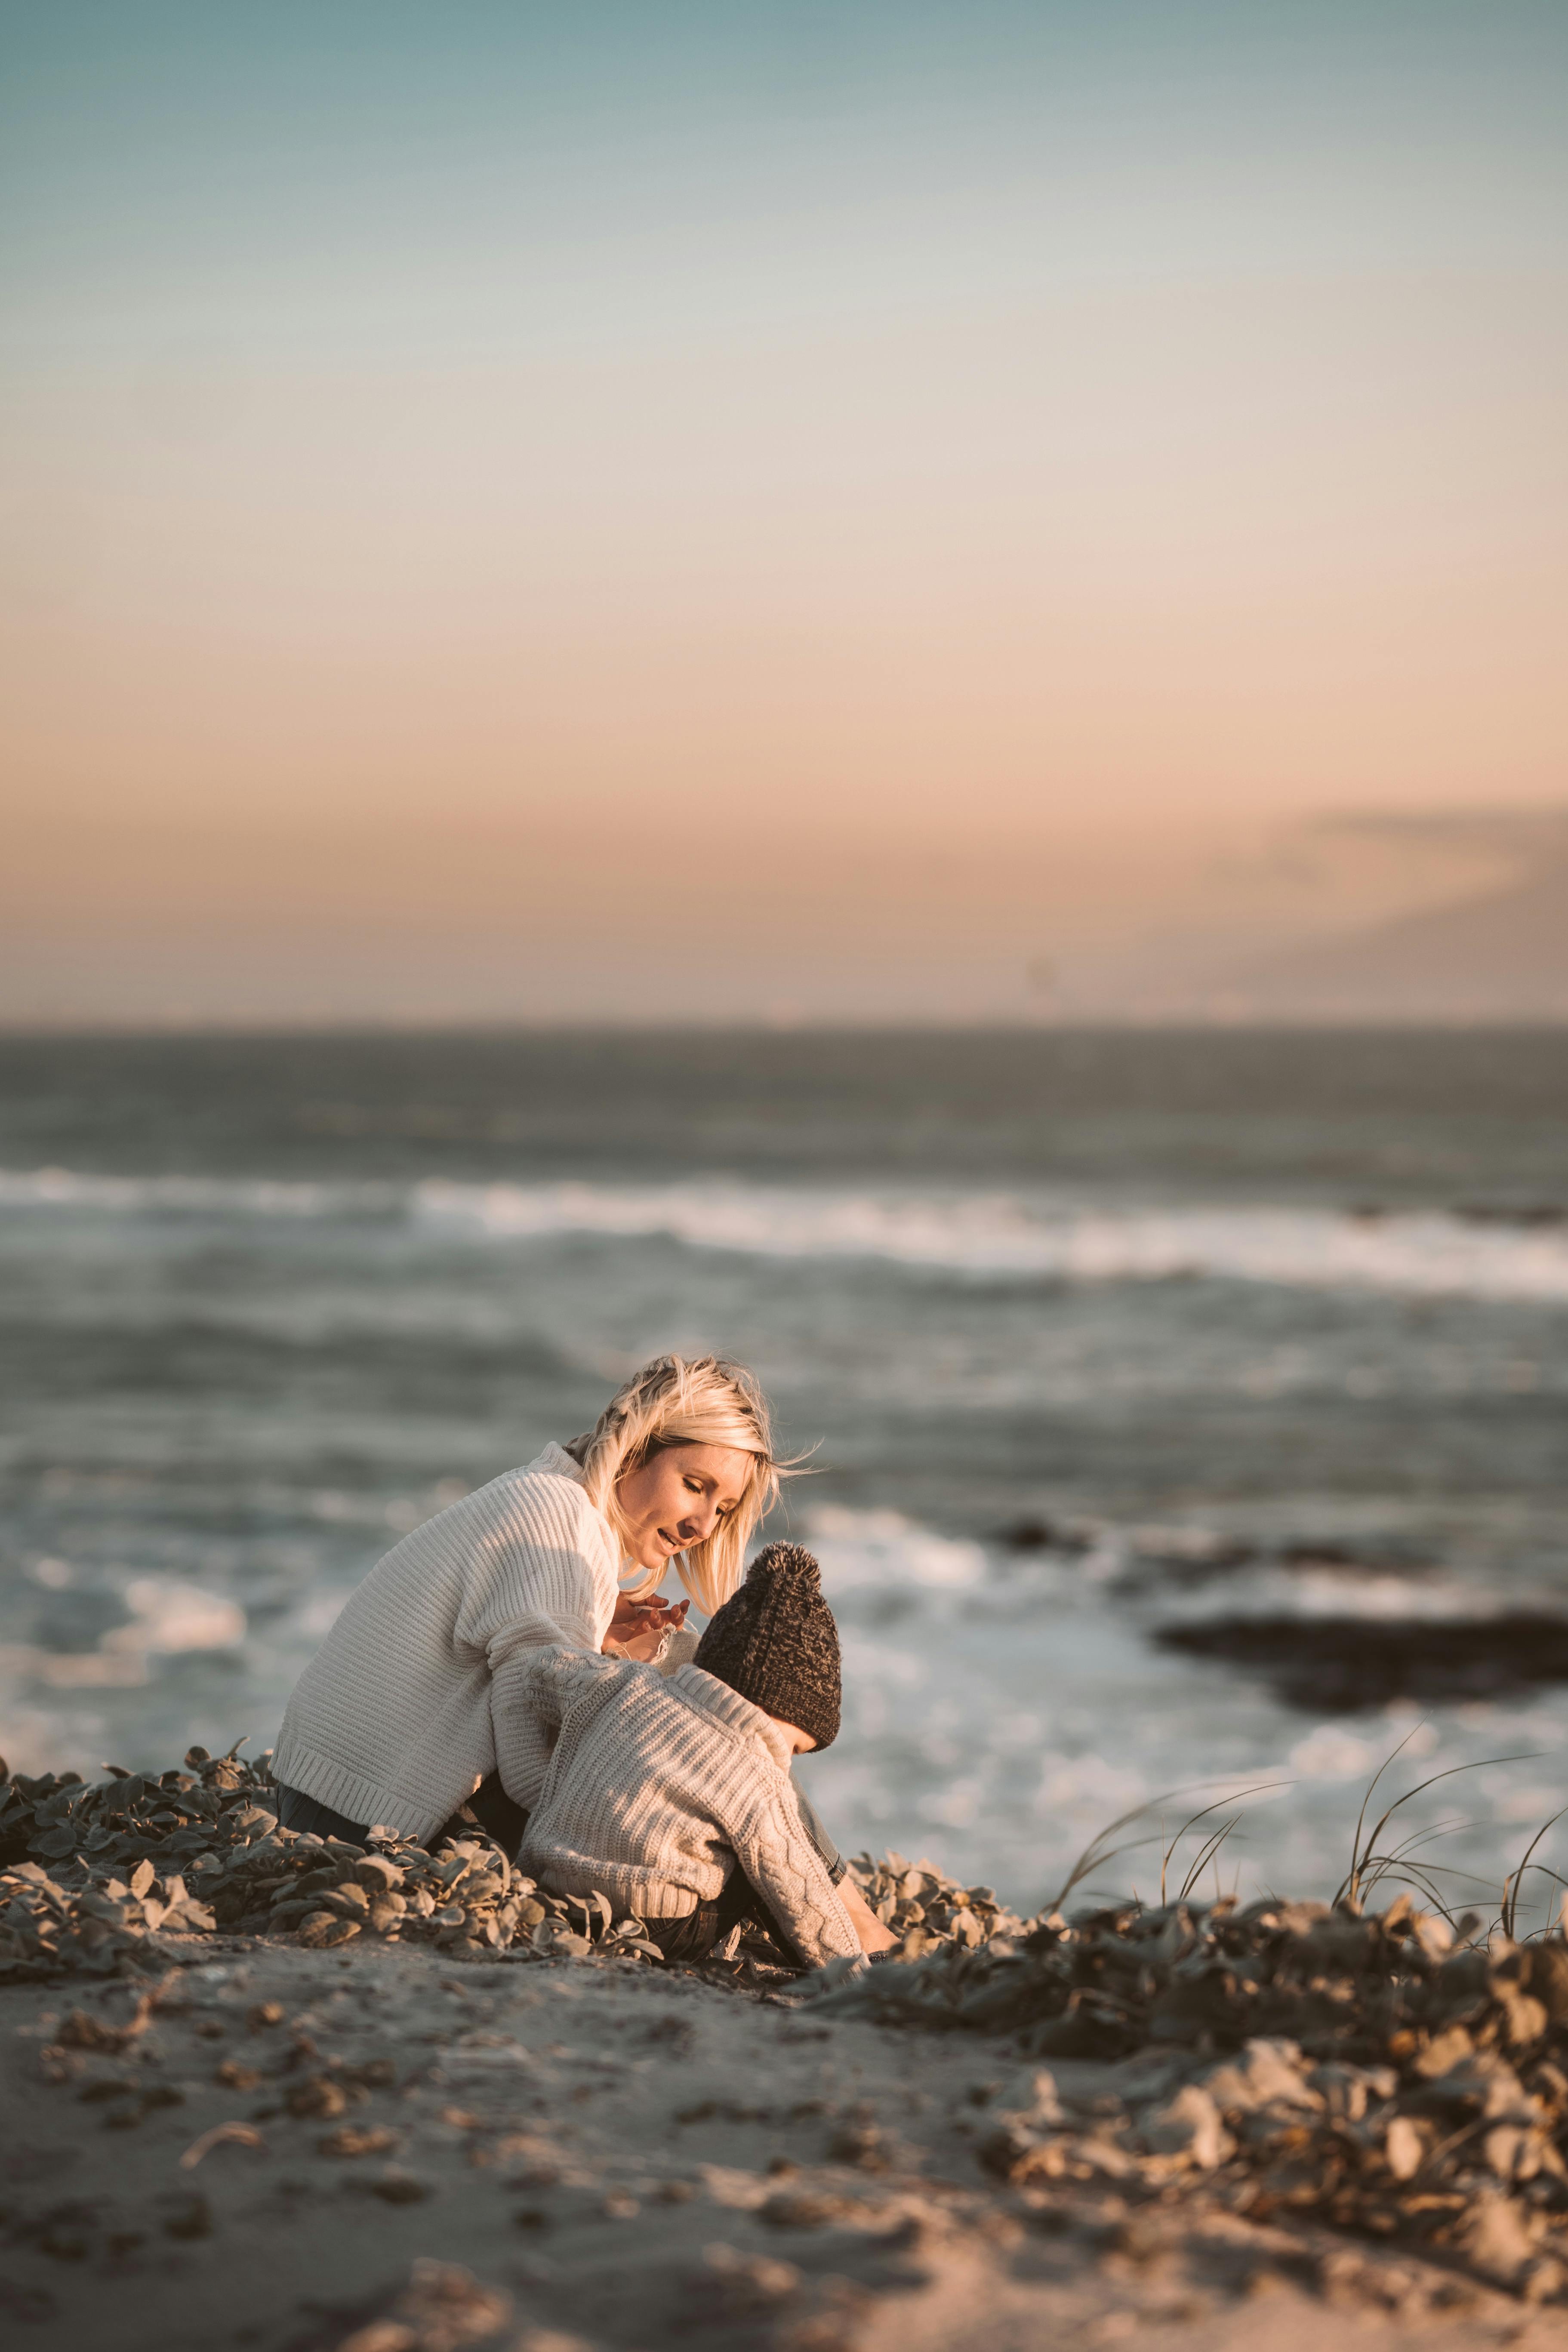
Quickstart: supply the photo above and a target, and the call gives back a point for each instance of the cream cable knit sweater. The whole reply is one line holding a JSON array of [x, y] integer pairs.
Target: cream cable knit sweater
[[659, 1786], [417, 1693]]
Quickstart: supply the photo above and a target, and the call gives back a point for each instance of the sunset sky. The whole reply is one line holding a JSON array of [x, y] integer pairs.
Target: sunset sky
[[853, 511]]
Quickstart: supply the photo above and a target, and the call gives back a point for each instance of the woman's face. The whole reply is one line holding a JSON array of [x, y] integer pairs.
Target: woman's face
[[677, 1498]]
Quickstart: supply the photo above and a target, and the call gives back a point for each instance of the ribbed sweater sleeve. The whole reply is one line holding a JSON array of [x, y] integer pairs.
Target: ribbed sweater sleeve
[[529, 1580], [531, 1690], [785, 1866]]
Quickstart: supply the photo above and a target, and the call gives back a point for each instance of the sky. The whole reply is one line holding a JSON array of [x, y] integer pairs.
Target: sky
[[854, 511]]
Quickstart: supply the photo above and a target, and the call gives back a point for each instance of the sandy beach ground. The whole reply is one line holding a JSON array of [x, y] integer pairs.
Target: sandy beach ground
[[383, 2150]]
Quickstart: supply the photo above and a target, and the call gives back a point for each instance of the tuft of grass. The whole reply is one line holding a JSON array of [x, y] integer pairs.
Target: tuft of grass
[[1451, 1892], [1214, 1843], [1097, 1851], [1515, 1880], [1101, 1849], [1368, 1867]]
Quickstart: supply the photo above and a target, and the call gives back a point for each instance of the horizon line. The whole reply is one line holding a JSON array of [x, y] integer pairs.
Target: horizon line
[[1087, 1024]]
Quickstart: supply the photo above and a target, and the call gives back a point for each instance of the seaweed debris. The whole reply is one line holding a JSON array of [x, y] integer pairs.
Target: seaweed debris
[[1374, 2071], [929, 1911], [92, 1871]]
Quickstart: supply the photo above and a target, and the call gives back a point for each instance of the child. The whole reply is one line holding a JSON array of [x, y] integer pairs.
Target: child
[[671, 1793]]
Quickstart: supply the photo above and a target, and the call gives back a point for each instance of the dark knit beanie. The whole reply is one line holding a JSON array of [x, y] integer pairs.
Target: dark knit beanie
[[774, 1641]]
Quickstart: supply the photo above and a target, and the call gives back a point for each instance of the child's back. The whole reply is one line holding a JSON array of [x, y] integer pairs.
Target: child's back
[[660, 1788]]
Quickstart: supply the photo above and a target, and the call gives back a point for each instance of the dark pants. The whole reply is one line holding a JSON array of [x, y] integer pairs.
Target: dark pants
[[701, 1931], [491, 1807]]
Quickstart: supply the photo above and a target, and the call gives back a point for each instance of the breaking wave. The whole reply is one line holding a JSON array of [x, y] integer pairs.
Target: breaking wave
[[243, 1196], [987, 1234], [983, 1235]]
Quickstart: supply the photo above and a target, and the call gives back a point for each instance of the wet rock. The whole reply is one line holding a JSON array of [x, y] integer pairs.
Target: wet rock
[[1329, 1665]]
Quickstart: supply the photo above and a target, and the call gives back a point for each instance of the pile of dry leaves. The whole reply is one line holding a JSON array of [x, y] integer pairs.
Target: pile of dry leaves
[[929, 1911], [91, 1870], [96, 1869], [1378, 2070]]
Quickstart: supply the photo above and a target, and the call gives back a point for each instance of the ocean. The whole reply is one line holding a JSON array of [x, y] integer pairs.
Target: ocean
[[1185, 1411]]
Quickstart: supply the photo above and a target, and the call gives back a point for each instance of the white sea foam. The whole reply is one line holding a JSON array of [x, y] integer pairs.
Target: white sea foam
[[1003, 1760], [988, 1235], [170, 1615], [167, 1616], [1308, 1595], [984, 1236], [66, 1188], [882, 1549], [1332, 1753]]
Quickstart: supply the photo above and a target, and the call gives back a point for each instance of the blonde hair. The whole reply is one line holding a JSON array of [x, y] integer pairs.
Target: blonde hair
[[706, 1401]]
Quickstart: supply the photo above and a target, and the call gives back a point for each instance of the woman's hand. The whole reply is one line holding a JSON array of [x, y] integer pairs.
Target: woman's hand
[[639, 1627]]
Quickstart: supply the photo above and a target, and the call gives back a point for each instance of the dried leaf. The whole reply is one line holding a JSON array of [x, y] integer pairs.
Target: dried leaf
[[234, 2135]]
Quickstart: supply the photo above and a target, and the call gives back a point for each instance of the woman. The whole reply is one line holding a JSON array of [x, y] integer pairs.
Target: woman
[[414, 1706]]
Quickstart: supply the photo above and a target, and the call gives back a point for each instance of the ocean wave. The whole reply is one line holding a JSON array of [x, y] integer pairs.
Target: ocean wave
[[167, 1616], [246, 1196], [881, 1552], [1302, 1597], [993, 1235], [982, 1236]]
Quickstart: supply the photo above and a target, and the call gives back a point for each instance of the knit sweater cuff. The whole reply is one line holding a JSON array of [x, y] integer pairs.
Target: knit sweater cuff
[[680, 1649]]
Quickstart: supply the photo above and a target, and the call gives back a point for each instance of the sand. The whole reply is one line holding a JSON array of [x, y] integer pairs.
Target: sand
[[383, 2150]]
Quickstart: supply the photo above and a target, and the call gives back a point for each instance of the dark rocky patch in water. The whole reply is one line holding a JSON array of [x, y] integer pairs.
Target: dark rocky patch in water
[[1339, 1665]]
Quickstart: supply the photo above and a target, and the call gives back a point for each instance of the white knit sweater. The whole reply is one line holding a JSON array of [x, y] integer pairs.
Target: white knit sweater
[[659, 1786], [418, 1692]]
